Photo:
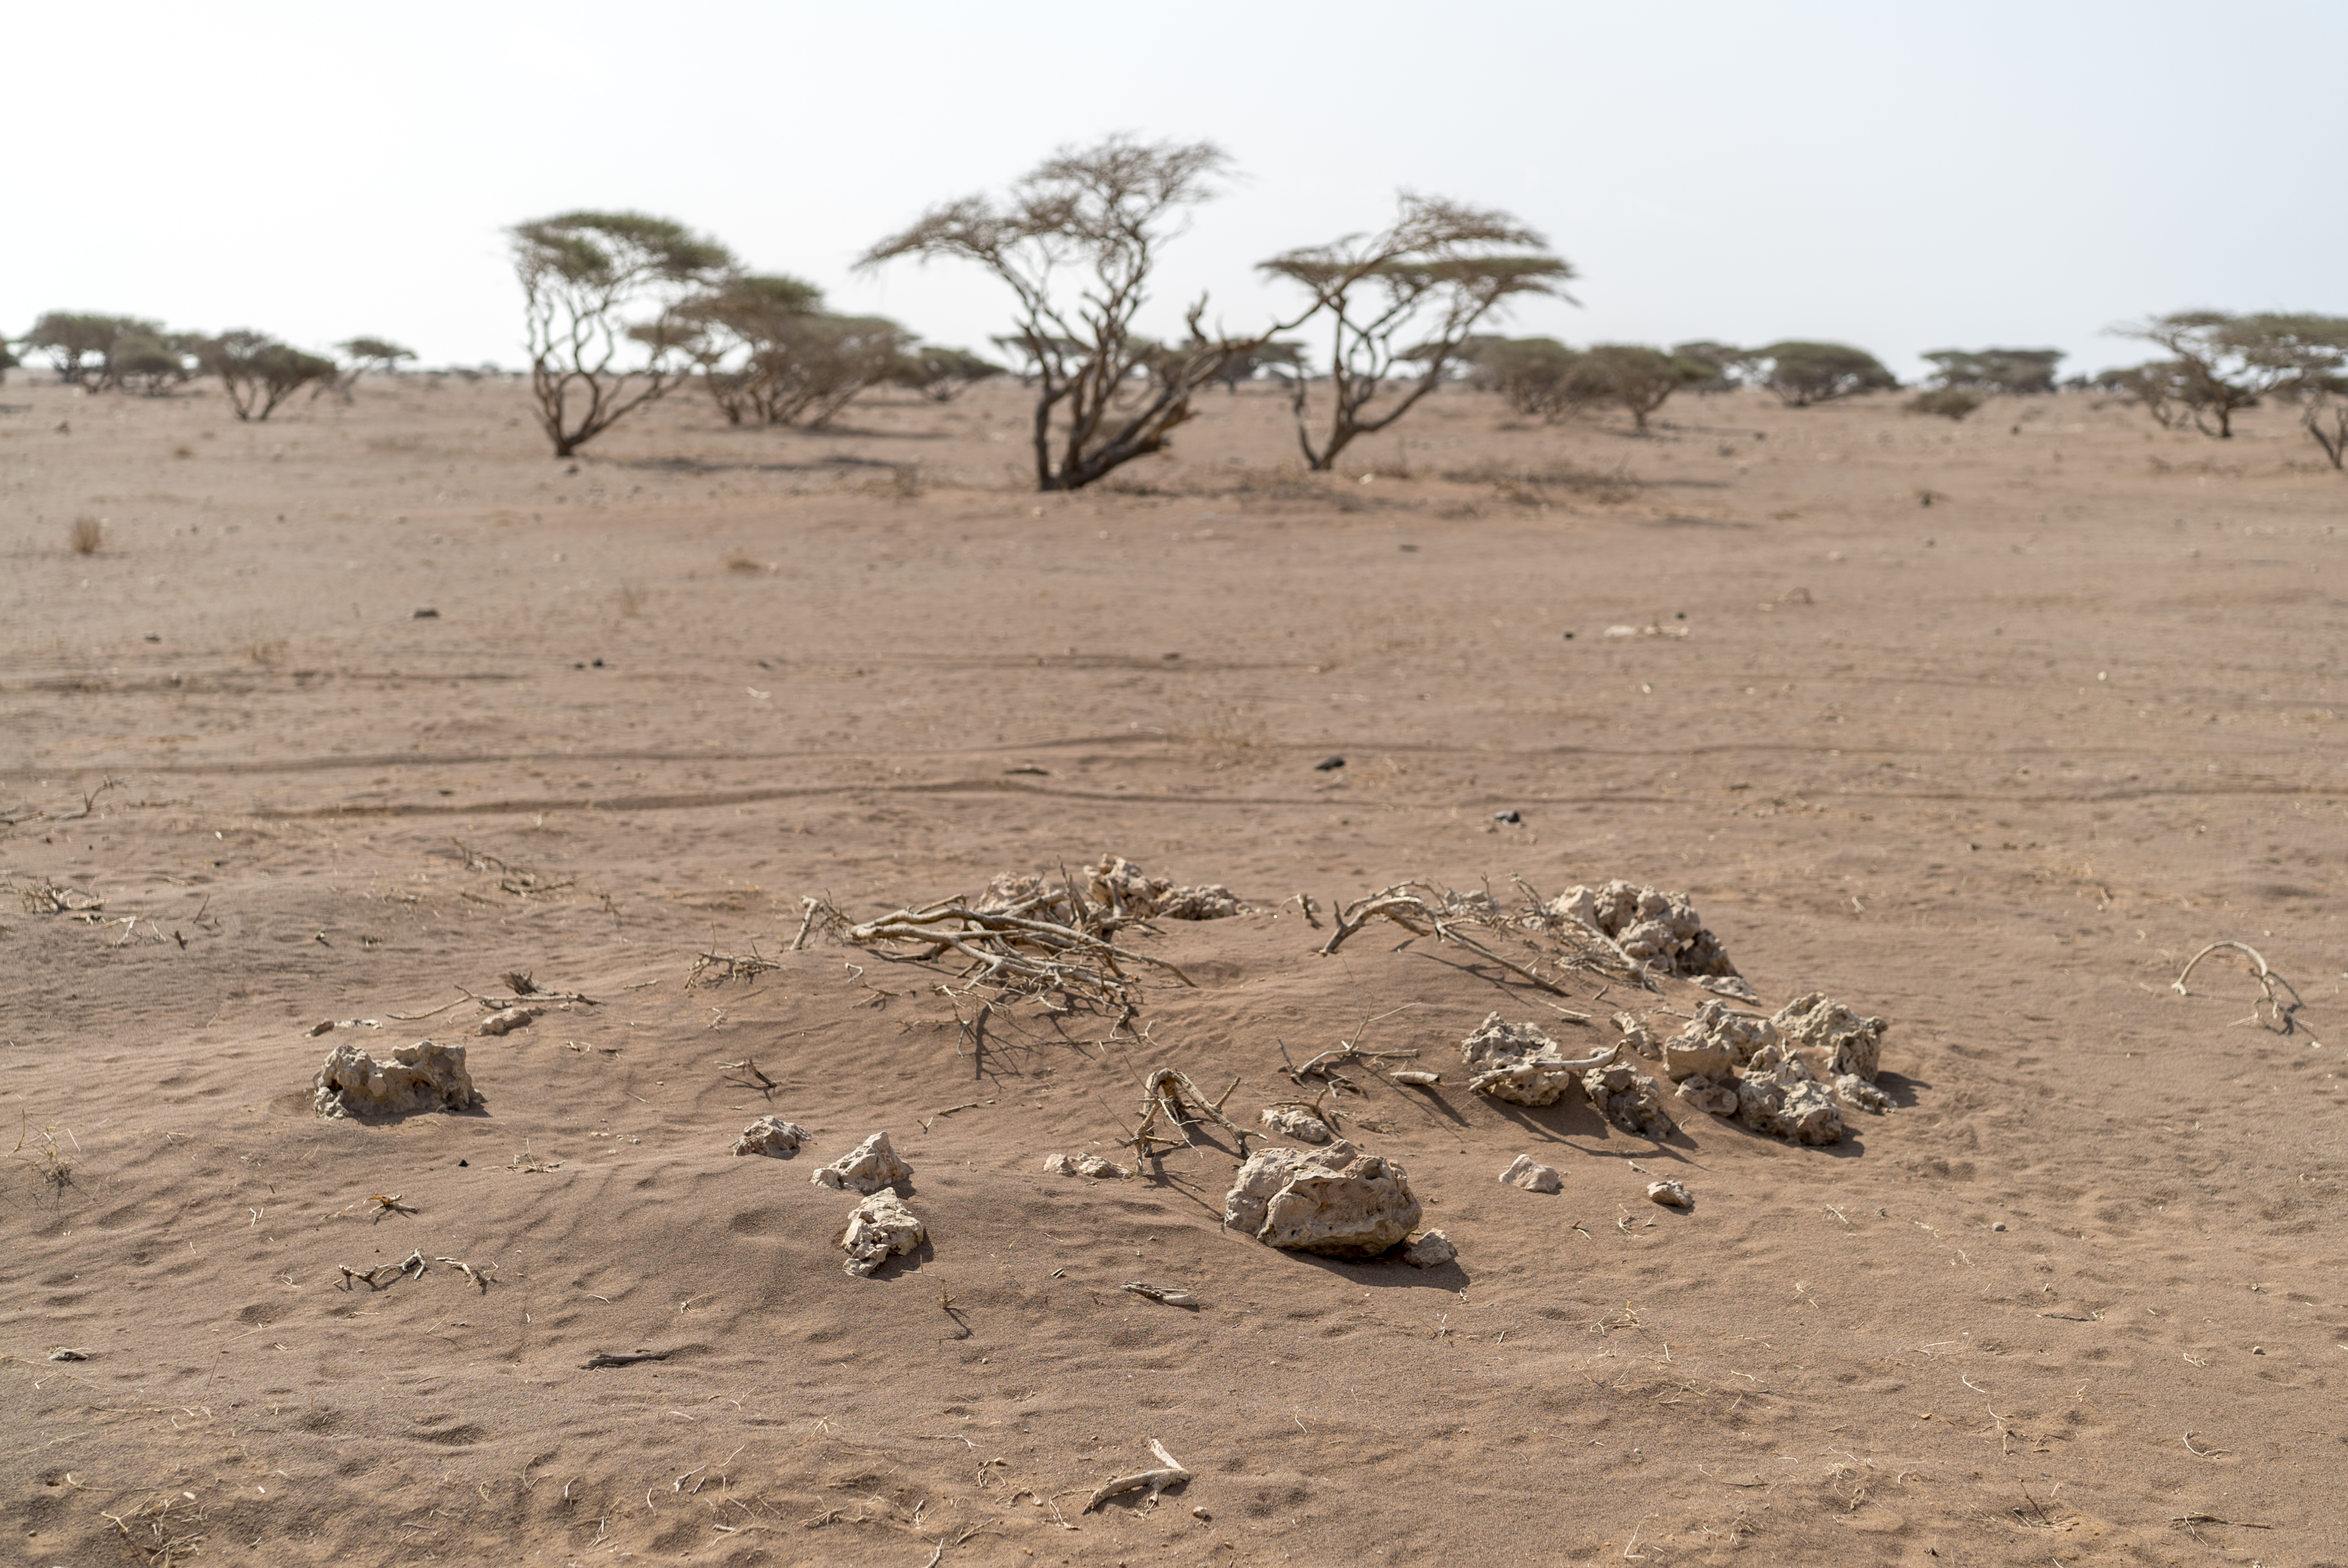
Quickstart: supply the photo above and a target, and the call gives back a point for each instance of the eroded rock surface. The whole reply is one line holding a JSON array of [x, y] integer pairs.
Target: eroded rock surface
[[1776, 1094], [1715, 1043], [1709, 1095], [867, 1168], [1337, 1200], [771, 1135], [1517, 1063], [424, 1076], [1670, 1195], [1628, 1098], [1091, 1165], [1295, 1121], [1832, 1039], [878, 1228], [1658, 928]]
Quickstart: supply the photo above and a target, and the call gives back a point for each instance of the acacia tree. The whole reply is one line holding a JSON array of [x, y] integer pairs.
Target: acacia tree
[[1538, 376], [1076, 241], [2017, 372], [726, 328], [1801, 373], [587, 278], [258, 371], [1413, 292], [2221, 363], [1639, 378], [939, 374]]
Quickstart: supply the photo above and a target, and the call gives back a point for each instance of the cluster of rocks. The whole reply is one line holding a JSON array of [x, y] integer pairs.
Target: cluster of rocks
[[1656, 928], [1519, 1063], [1790, 1075], [1120, 891]]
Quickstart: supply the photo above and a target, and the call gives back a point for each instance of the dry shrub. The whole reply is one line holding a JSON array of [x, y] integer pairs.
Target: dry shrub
[[1533, 485], [266, 650], [741, 562], [86, 535], [632, 598]]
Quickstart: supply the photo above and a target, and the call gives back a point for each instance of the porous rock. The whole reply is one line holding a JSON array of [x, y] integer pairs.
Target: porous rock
[[867, 1168], [1517, 1063], [1337, 1200], [1710, 1094], [1432, 1250], [1860, 1094], [1670, 1195], [1832, 1038], [1295, 1121], [1091, 1165], [1534, 1178], [1778, 1095], [1628, 1098], [1655, 928], [1637, 1035], [880, 1227], [771, 1135], [1715, 1043], [426, 1076], [505, 1020]]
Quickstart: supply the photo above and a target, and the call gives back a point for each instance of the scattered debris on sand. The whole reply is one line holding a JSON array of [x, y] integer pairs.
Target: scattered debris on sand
[[1662, 929], [1295, 1121], [424, 1076], [1789, 1075], [1091, 1165], [867, 1168], [1670, 1195], [1338, 1201], [1432, 1250], [1162, 1294], [1519, 1063], [880, 1228], [1524, 1172], [771, 1135]]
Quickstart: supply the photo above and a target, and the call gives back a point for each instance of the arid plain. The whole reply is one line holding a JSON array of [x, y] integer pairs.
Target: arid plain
[[1985, 728]]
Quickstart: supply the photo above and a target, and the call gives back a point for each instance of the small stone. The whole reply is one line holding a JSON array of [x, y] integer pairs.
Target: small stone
[[1295, 1122], [878, 1228], [1328, 764], [505, 1020], [1534, 1178], [425, 613], [1999, 1227], [1670, 1195], [1417, 1080], [867, 1168], [1430, 1251], [771, 1135], [1201, 1514], [1508, 817]]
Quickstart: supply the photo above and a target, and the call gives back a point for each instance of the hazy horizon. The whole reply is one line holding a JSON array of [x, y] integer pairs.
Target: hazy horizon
[[1903, 182]]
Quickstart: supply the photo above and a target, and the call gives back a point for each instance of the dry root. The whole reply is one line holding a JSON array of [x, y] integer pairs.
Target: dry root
[[1448, 916], [2278, 1016], [1167, 1091], [1154, 1481], [1006, 948]]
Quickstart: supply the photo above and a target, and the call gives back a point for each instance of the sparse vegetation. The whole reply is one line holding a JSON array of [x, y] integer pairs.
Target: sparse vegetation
[[1946, 401], [1801, 373], [1637, 378], [1076, 241], [2014, 372], [2323, 412], [588, 279], [86, 535], [941, 375], [2219, 364], [258, 371], [1411, 293]]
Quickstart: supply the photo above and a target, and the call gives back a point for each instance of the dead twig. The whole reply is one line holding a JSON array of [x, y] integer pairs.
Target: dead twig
[[623, 1358], [2281, 1020], [1155, 1481], [478, 1276], [1159, 1293]]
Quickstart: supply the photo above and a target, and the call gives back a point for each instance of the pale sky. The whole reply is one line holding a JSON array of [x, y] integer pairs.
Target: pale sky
[[1896, 176]]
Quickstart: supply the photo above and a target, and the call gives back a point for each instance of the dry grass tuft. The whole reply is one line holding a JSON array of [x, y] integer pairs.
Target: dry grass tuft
[[86, 535], [265, 650], [631, 599]]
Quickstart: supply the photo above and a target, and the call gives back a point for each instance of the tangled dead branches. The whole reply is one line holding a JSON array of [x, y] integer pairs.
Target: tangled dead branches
[[1425, 910], [1168, 1091], [1011, 948]]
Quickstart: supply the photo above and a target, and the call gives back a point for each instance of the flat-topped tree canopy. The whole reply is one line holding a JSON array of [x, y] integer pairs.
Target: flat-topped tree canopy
[[1410, 294]]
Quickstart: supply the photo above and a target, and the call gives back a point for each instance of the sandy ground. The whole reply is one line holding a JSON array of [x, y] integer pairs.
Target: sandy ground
[[1991, 767]]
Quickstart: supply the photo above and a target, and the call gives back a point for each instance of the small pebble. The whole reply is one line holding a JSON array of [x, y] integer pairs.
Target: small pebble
[[426, 613], [1328, 764], [1999, 1227], [1201, 1514], [1506, 816], [464, 1162]]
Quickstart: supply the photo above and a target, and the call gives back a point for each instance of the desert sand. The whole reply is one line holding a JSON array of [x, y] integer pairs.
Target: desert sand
[[1984, 729]]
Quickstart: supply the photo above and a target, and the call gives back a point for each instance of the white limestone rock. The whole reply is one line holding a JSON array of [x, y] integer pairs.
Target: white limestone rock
[[1778, 1095], [867, 1168], [1295, 1122], [1715, 1043], [1709, 1095], [1524, 1172], [1628, 1098], [1670, 1195], [878, 1228], [1832, 1038], [1091, 1165], [1658, 928], [771, 1135], [1432, 1250], [424, 1076], [1336, 1200], [1517, 1063]]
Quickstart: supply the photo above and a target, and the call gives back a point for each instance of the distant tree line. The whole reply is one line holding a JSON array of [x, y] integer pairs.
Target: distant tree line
[[130, 353]]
